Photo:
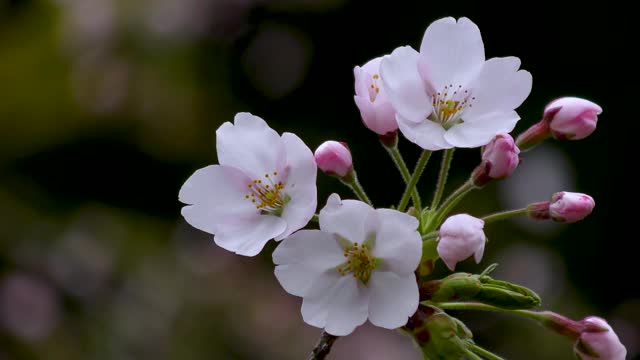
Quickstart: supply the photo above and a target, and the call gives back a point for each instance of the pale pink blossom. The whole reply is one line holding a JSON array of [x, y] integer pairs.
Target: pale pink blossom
[[334, 158], [461, 236], [599, 345], [499, 159], [359, 266], [264, 187], [447, 95], [571, 118], [569, 207], [377, 113]]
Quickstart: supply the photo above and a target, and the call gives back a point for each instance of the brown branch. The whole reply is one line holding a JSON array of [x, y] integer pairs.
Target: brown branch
[[323, 347]]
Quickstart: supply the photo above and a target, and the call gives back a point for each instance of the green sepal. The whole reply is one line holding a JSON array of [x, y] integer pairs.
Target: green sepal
[[443, 337], [426, 218], [455, 287], [429, 257], [506, 295]]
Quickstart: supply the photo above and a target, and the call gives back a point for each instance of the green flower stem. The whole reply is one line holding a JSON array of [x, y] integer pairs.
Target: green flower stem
[[483, 352], [394, 152], [539, 317], [431, 235], [442, 178], [471, 355], [351, 180], [315, 218], [505, 215], [422, 162], [451, 202], [322, 349]]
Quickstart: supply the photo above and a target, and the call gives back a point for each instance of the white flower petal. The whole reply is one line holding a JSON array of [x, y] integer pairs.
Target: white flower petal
[[499, 87], [250, 145], [345, 217], [451, 52], [426, 134], [349, 307], [316, 304], [403, 84], [392, 299], [398, 243], [303, 257], [247, 236], [215, 191], [337, 303], [482, 130]]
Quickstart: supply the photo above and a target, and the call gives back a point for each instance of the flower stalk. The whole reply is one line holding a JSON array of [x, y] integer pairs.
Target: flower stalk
[[420, 165]]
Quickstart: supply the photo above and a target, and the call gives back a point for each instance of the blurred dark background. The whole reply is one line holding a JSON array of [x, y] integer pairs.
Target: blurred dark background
[[107, 106]]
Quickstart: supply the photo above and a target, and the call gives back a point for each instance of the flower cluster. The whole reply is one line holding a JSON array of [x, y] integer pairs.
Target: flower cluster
[[375, 264]]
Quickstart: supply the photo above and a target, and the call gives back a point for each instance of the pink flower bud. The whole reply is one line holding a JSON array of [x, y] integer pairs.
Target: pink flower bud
[[376, 110], [460, 237], [571, 118], [499, 160], [334, 158], [599, 341], [568, 207]]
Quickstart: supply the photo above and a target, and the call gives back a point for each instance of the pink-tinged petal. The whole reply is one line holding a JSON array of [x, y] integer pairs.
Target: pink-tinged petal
[[499, 87], [451, 52], [461, 236], [426, 134], [213, 192], [363, 82], [300, 185], [403, 85], [301, 165], [398, 244], [349, 307], [378, 116], [392, 299], [345, 218], [299, 210], [247, 236], [303, 257], [481, 130], [250, 145]]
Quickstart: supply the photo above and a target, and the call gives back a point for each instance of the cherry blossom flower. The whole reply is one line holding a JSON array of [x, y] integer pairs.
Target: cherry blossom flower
[[461, 236], [377, 113], [447, 95], [264, 187], [360, 265]]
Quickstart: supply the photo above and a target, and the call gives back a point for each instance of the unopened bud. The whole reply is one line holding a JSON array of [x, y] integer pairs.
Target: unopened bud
[[569, 207], [479, 288], [334, 158], [599, 344], [571, 118], [499, 160]]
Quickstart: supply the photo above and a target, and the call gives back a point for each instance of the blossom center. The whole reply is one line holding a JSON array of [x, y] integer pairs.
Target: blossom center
[[450, 104], [360, 263], [374, 88], [268, 195]]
